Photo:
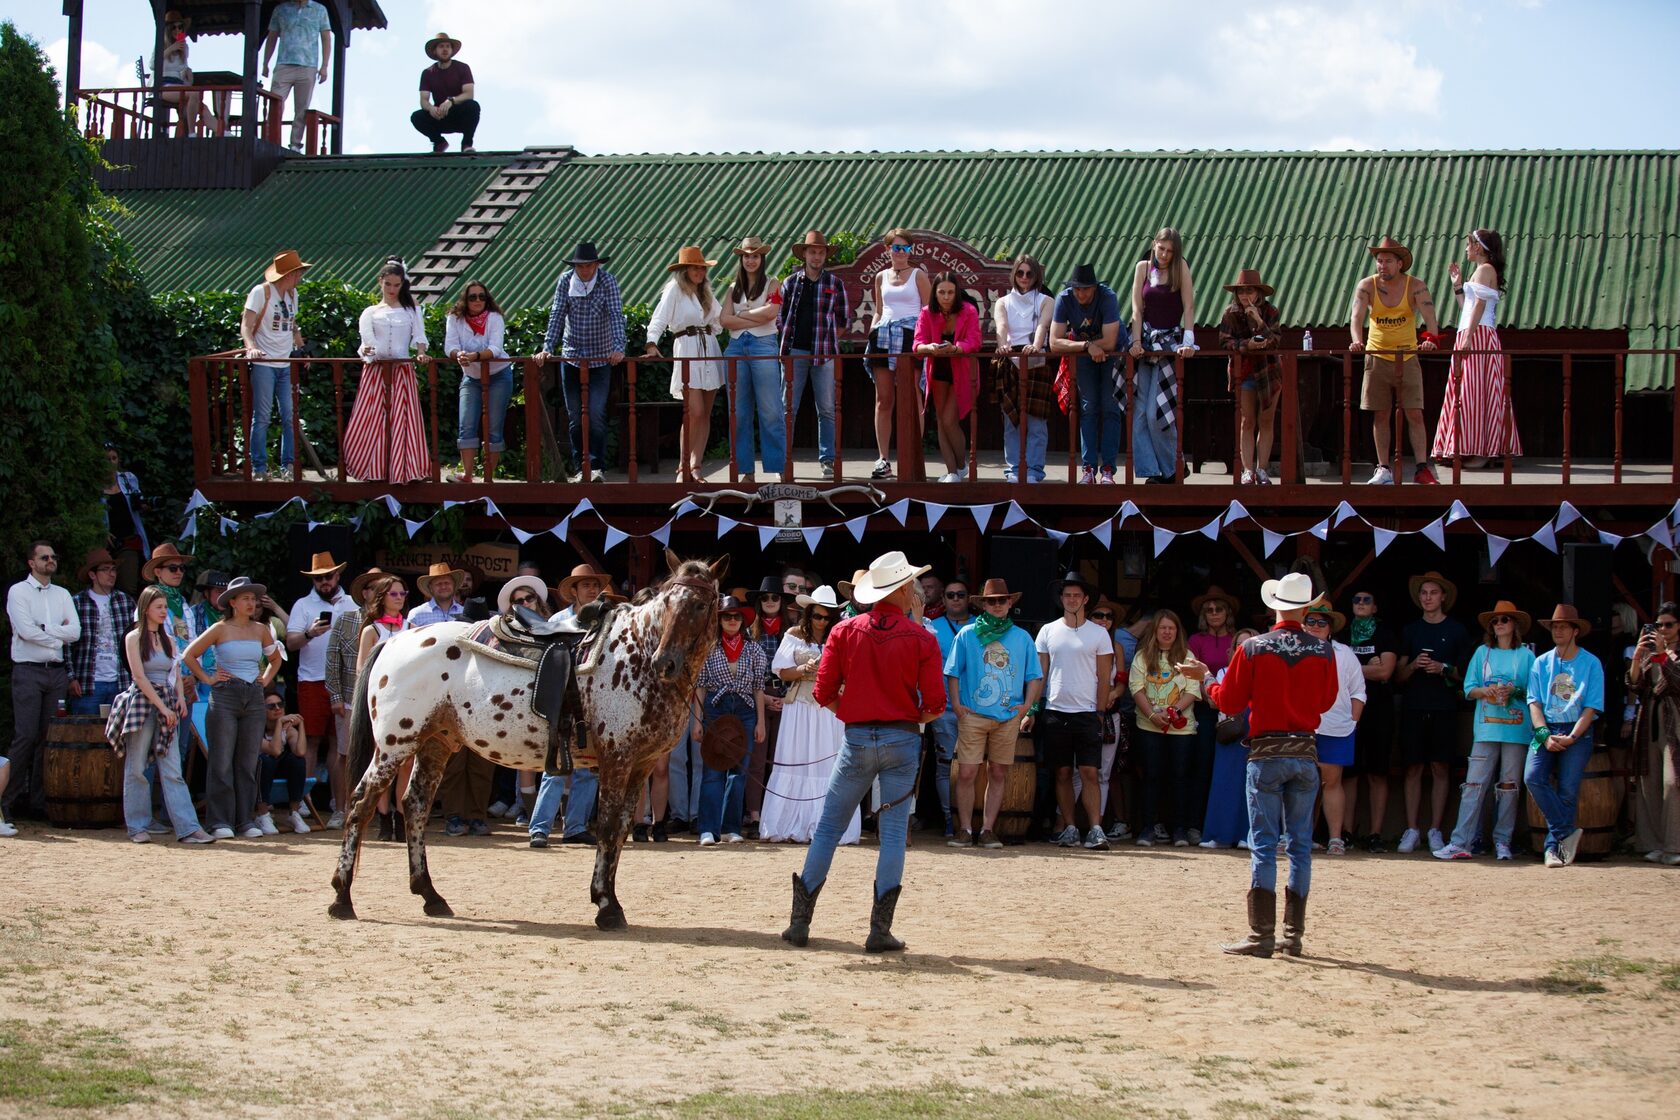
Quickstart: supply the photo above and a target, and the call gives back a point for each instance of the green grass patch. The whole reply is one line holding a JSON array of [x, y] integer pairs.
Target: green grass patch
[[927, 1103], [1611, 973], [86, 1070]]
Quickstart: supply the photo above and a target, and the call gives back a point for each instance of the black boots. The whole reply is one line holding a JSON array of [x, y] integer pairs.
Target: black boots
[[1294, 921], [1262, 925], [387, 830], [804, 905], [881, 939]]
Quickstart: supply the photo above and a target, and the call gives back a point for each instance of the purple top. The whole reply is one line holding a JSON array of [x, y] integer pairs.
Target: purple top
[[1212, 650], [1163, 308]]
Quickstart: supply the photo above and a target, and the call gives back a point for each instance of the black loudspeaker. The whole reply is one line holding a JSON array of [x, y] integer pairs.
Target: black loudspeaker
[[1588, 582], [1027, 565], [302, 543]]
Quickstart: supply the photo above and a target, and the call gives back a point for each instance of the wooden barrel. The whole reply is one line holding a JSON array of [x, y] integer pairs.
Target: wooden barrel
[[1597, 808], [1014, 819], [82, 774]]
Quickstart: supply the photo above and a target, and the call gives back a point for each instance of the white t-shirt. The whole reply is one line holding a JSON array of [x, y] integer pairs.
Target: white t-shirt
[[1350, 686], [312, 658], [104, 640], [1021, 311], [273, 335], [1071, 683]]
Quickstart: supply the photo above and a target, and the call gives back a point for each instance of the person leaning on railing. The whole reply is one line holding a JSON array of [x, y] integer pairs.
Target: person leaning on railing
[[750, 307], [692, 314], [947, 337], [268, 327], [1086, 331], [472, 335], [901, 291], [1389, 302], [1021, 320], [385, 439]]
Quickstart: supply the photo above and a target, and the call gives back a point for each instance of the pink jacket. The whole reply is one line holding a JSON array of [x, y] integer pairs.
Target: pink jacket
[[930, 329]]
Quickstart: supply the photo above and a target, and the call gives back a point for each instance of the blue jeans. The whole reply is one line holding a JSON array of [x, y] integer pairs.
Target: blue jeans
[[722, 792], [87, 704], [498, 387], [1281, 792], [1490, 763], [868, 753], [1567, 766], [600, 383], [137, 787], [1154, 452], [1038, 445], [268, 384], [578, 806], [758, 394], [1099, 414], [821, 376], [684, 797], [945, 742]]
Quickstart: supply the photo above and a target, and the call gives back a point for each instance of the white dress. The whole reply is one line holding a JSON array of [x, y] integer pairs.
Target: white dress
[[677, 312], [806, 747]]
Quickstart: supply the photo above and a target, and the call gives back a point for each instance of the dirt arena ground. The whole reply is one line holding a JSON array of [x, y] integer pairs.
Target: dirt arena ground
[[1039, 983]]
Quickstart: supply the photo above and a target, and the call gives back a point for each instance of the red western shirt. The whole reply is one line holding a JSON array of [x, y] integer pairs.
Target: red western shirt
[[889, 667], [1286, 678]]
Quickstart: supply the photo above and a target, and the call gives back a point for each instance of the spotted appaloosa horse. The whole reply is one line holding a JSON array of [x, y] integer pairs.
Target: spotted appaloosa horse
[[425, 694]]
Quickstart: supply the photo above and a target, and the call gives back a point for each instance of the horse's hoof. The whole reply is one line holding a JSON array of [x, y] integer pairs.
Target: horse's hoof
[[342, 910], [611, 917], [439, 909]]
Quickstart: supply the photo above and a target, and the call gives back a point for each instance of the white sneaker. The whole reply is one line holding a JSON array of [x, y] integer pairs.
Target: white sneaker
[[336, 821], [1119, 831], [265, 825], [9, 829], [252, 832], [1247, 479], [1069, 837], [707, 839], [1571, 844], [1436, 840], [1450, 851], [296, 821], [732, 838], [1095, 840], [1672, 859], [499, 809], [881, 469], [1382, 476], [1208, 844], [1654, 856], [140, 837], [1502, 851], [223, 833], [1408, 841], [951, 476], [1553, 859]]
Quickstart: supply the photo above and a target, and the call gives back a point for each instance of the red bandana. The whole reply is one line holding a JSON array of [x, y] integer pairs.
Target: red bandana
[[393, 621], [479, 322], [732, 647], [771, 624]]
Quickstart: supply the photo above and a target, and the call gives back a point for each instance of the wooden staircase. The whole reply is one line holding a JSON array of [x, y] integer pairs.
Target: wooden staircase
[[459, 246]]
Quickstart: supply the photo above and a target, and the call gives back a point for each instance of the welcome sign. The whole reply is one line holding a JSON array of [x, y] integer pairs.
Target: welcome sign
[[983, 279]]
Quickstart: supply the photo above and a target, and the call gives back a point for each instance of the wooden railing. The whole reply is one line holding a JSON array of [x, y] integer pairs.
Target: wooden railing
[[134, 113]]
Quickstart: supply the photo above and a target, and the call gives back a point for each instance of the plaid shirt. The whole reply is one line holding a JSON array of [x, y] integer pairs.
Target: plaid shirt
[[343, 643], [593, 325], [743, 678], [1235, 329], [82, 651], [834, 311]]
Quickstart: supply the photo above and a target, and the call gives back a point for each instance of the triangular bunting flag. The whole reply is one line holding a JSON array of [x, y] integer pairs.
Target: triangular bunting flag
[[519, 534], [1567, 515], [1321, 530], [1163, 537], [1271, 540], [414, 527], [813, 537], [724, 524], [662, 535], [1610, 539], [1343, 512], [451, 503], [313, 524], [492, 509], [1496, 548], [982, 515], [1059, 538], [561, 528], [900, 509], [934, 512], [1014, 515], [392, 506], [615, 537], [1382, 538], [857, 525], [687, 507], [1662, 534], [1236, 511], [356, 522], [190, 529], [1456, 512], [1545, 537], [226, 525], [582, 507], [1436, 532], [196, 502], [1104, 532], [1211, 529], [766, 534], [283, 505], [1128, 509]]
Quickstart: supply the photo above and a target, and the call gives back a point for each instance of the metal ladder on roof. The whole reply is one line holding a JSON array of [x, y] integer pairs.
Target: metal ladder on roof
[[460, 245]]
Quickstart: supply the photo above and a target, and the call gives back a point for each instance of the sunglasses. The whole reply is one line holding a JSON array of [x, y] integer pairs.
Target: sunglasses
[[1364, 598], [1105, 616], [769, 594], [1316, 620], [324, 579], [525, 598], [1669, 625], [476, 297], [53, 556], [160, 567], [729, 618], [276, 706], [899, 248], [1498, 618], [822, 618], [1023, 272], [398, 592], [956, 594]]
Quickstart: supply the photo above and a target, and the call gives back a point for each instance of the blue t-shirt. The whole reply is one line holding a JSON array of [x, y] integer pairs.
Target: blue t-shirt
[[945, 633], [1085, 321], [1501, 723], [993, 681], [1564, 688], [299, 30]]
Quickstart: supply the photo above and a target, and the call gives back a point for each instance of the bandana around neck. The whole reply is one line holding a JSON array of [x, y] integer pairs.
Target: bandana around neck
[[732, 646], [1363, 628], [988, 629]]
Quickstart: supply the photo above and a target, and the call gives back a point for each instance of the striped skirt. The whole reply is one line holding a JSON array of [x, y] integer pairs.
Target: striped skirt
[[1477, 419], [385, 440]]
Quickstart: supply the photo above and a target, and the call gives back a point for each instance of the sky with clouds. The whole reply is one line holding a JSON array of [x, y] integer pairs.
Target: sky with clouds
[[737, 75]]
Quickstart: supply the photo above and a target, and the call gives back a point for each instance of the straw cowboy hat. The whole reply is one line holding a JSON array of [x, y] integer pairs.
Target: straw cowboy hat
[[1249, 278], [359, 585], [96, 558], [441, 37], [813, 240], [585, 254], [729, 604], [823, 596], [847, 586], [566, 592], [690, 256], [284, 262], [998, 589], [1505, 606], [437, 571], [1215, 594], [1389, 245], [1563, 612], [751, 245], [1090, 589], [886, 574], [504, 597], [1291, 593], [1432, 576], [321, 564], [163, 554], [240, 585], [1321, 605]]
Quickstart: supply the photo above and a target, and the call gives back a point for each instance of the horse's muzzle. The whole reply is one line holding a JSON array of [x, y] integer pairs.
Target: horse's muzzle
[[665, 666]]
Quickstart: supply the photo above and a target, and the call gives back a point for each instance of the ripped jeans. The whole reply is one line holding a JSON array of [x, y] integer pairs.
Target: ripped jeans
[[1485, 758]]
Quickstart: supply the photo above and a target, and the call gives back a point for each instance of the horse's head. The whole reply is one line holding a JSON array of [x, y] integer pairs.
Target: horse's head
[[688, 625]]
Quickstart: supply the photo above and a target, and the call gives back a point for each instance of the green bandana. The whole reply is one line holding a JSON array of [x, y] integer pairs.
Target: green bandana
[[1363, 628], [988, 629], [177, 602]]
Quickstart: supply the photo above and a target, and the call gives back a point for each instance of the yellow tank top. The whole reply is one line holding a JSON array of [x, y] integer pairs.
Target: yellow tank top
[[1392, 328]]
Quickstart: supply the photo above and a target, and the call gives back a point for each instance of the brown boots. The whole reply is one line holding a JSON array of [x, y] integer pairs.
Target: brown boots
[[1262, 926], [1294, 921]]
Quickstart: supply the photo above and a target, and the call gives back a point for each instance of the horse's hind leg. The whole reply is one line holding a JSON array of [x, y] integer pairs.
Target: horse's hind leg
[[417, 807], [615, 805], [356, 818]]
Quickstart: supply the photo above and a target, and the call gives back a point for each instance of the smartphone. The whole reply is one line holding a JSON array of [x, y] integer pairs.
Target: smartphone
[[326, 617], [1648, 628], [1429, 653]]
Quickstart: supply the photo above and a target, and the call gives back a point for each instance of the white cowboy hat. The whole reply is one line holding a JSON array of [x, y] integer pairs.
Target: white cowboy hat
[[1291, 593], [504, 597], [822, 597], [886, 574]]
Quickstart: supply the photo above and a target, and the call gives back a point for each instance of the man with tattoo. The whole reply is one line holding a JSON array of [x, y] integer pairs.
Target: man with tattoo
[[1392, 300]]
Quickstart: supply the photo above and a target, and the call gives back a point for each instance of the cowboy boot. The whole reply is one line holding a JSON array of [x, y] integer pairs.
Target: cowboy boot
[[1262, 925], [1294, 921], [804, 905], [881, 939], [385, 830]]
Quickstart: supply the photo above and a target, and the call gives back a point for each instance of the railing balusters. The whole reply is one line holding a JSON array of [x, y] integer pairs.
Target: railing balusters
[[582, 451], [732, 386], [630, 367], [1178, 418], [1568, 381], [1621, 388], [338, 412], [1347, 419], [1022, 467], [1128, 422], [1288, 461]]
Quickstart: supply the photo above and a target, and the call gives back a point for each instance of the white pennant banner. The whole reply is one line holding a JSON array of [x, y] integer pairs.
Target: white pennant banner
[[1456, 512], [1436, 532], [1662, 534], [1104, 532], [196, 502], [1272, 540], [663, 534], [1382, 538], [857, 525], [687, 507], [519, 534], [1343, 512], [1496, 547], [1163, 537], [227, 525], [561, 528], [813, 537], [1128, 509], [934, 512], [392, 506], [982, 515], [724, 524], [1546, 537], [414, 527], [582, 507], [190, 529], [1014, 515], [615, 537], [1610, 539], [1059, 538], [1321, 530], [900, 509], [1211, 529], [766, 534], [1567, 515], [1236, 511]]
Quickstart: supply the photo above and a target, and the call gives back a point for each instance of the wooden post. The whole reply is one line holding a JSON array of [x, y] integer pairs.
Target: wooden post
[[341, 44], [630, 421], [1568, 381], [533, 420], [248, 90], [582, 449], [73, 55], [1347, 419], [911, 467], [1289, 461], [199, 392], [730, 376], [1621, 389], [338, 413]]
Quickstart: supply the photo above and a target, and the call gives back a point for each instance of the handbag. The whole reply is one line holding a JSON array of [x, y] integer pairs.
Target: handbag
[[1231, 729]]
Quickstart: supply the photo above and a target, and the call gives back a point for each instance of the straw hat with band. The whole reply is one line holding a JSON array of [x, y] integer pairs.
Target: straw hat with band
[[886, 574], [690, 256], [1448, 587], [729, 604], [847, 586], [998, 589], [163, 554], [566, 592], [321, 564], [439, 570], [1505, 606], [1249, 278], [284, 262], [750, 245], [1090, 589], [442, 37], [1215, 594], [1321, 605], [240, 585], [1293, 592], [823, 596], [96, 558], [813, 240], [359, 585], [1104, 603], [1389, 245], [504, 597], [1563, 612]]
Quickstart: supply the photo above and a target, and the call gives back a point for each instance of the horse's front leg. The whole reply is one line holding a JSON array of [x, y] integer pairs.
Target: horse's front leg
[[615, 805], [417, 806]]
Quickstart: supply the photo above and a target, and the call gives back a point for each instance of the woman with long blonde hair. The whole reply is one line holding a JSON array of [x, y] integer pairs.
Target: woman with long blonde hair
[[1166, 735], [694, 317]]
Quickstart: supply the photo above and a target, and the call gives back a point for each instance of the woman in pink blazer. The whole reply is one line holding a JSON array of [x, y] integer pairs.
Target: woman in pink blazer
[[948, 326]]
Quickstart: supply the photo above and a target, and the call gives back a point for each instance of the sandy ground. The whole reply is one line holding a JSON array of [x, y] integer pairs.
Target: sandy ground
[[1032, 968]]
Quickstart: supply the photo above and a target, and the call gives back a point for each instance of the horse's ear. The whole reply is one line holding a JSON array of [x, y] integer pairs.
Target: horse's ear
[[672, 561], [720, 566]]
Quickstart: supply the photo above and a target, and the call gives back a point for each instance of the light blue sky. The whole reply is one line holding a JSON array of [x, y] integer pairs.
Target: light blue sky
[[734, 75]]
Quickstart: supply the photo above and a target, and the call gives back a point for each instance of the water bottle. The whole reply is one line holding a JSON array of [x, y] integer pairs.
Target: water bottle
[[1306, 340]]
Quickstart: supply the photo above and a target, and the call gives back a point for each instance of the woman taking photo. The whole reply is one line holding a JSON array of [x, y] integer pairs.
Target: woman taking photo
[[901, 291], [686, 309], [1654, 677], [472, 335], [1021, 321], [947, 335], [1163, 325], [247, 658], [731, 683], [385, 440], [1250, 327], [175, 77], [143, 723], [1166, 736], [1478, 421], [750, 307], [382, 616], [811, 736]]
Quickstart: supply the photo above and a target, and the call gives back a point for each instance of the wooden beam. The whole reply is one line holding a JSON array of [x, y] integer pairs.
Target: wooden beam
[[73, 54], [1358, 570], [1247, 556]]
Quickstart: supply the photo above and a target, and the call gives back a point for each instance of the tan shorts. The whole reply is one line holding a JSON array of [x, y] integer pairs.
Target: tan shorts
[[986, 740], [1376, 393]]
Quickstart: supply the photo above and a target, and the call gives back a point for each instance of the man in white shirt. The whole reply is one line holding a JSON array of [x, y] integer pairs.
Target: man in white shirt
[[269, 329], [307, 631], [43, 620], [1077, 657]]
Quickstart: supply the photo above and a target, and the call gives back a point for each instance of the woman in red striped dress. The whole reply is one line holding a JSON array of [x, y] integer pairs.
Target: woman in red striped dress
[[385, 440], [1477, 419]]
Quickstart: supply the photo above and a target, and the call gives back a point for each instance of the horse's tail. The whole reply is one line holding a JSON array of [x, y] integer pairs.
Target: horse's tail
[[361, 722]]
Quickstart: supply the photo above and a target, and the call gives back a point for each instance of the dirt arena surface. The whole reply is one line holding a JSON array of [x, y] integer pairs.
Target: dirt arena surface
[[169, 980]]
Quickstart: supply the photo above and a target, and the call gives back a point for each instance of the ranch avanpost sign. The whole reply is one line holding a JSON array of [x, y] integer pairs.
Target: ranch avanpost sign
[[486, 561], [983, 279]]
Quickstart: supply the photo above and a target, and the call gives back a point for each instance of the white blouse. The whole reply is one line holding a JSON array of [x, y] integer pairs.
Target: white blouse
[[393, 333], [458, 335], [772, 293], [678, 311], [793, 652], [1021, 311], [1490, 306]]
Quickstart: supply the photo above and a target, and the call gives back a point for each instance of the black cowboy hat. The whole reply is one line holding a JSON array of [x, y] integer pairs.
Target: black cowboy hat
[[585, 254], [1074, 578], [724, 743], [769, 585], [1084, 276]]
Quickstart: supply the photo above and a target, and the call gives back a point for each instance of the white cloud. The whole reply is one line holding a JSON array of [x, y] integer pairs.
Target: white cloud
[[101, 67]]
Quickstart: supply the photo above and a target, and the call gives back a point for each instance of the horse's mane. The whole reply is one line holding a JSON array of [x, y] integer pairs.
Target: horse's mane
[[688, 569]]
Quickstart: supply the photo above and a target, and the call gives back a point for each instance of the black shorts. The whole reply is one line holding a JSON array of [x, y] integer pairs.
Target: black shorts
[[1373, 743], [1428, 737], [1069, 738]]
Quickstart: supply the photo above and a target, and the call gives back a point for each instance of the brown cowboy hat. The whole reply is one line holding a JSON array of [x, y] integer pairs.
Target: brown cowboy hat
[[1433, 576], [1104, 603], [442, 568], [1249, 278], [813, 240], [163, 553], [359, 585], [96, 558], [1564, 612], [1215, 594], [1321, 605], [724, 743], [441, 37], [564, 592], [690, 256], [321, 564], [751, 245], [998, 589], [845, 586], [1389, 245], [284, 262], [1505, 606]]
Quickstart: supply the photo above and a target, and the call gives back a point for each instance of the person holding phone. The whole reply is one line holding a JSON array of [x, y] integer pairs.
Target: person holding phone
[[307, 629], [1249, 327], [1654, 676], [1433, 652]]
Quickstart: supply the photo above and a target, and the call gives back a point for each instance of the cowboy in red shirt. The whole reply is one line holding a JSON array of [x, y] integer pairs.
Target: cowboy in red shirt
[[881, 674]]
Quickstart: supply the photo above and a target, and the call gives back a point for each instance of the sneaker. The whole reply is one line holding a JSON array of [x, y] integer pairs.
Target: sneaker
[[707, 839], [455, 826], [1338, 847], [265, 824], [1087, 475], [1145, 840], [500, 809], [523, 820], [9, 829], [1095, 840], [1196, 836], [1672, 859], [1571, 844], [1436, 840], [199, 837], [336, 821], [468, 149], [882, 469], [1010, 477], [1553, 859], [951, 476], [731, 838], [963, 839], [1107, 477], [1654, 856], [252, 832], [1423, 476], [1160, 834], [1180, 838], [1119, 831], [296, 821], [584, 838], [1408, 841], [1501, 851], [222, 833], [158, 828], [1451, 851], [989, 840], [1382, 476], [659, 833], [677, 825], [1207, 843], [140, 837], [478, 826], [439, 146], [828, 470], [539, 839], [1069, 837], [1247, 479], [1262, 477], [1374, 844]]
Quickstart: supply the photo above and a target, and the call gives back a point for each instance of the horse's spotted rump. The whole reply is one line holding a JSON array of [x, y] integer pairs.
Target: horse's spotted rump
[[384, 680], [481, 742], [426, 643], [501, 734], [516, 692], [405, 723], [495, 756], [453, 653], [499, 716], [446, 676], [390, 740]]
